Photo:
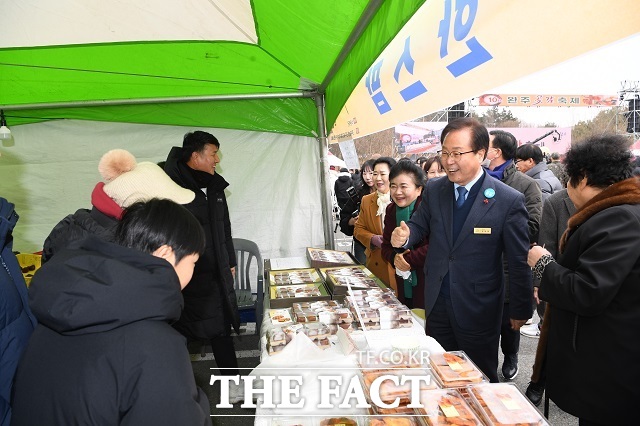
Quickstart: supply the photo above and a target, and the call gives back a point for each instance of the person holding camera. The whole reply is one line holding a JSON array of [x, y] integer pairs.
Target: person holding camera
[[349, 213]]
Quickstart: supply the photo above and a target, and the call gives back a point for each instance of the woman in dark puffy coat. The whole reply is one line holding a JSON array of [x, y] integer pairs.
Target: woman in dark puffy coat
[[104, 352], [592, 320], [16, 320]]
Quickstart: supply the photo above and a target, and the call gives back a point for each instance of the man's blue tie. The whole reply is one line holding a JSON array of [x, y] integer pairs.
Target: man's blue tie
[[462, 191]]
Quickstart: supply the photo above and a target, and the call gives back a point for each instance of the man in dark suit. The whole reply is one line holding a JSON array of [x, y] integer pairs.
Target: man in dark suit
[[472, 221]]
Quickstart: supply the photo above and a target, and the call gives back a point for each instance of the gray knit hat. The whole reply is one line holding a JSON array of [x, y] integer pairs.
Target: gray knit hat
[[128, 181]]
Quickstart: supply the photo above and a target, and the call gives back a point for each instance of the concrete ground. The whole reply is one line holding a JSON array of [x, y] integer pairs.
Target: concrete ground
[[247, 345]]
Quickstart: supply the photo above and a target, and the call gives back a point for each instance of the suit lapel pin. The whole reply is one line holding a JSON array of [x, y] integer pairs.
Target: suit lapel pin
[[488, 193]]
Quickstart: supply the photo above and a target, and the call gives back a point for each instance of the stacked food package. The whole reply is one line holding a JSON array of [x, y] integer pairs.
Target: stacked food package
[[320, 258], [455, 369], [318, 320], [340, 279], [502, 404], [446, 407], [378, 309], [296, 285]]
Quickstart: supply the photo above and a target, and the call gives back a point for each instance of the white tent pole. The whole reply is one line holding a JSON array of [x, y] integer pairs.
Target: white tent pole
[[168, 100], [323, 147]]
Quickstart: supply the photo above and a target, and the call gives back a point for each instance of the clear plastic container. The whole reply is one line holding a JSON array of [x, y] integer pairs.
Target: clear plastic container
[[388, 391], [446, 407], [391, 421], [455, 369], [502, 404]]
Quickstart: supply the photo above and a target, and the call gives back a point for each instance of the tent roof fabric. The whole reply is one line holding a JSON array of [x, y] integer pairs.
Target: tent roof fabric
[[296, 53]]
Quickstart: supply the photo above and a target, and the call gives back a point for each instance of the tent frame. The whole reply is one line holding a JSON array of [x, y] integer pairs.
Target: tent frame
[[318, 95]]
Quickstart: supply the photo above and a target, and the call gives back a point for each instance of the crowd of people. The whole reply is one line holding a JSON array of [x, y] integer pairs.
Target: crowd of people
[[100, 337], [508, 231], [477, 236]]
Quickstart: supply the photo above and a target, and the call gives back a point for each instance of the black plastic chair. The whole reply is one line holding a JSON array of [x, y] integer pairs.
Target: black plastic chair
[[245, 284]]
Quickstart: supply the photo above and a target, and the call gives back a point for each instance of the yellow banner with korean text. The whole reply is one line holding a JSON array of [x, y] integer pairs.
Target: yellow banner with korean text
[[548, 100], [453, 50]]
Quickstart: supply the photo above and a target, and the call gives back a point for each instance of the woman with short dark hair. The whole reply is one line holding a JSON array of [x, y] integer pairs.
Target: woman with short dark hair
[[592, 321], [104, 351], [407, 181], [433, 167]]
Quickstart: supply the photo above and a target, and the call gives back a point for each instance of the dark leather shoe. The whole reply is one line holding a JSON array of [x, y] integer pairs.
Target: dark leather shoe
[[534, 393], [510, 366]]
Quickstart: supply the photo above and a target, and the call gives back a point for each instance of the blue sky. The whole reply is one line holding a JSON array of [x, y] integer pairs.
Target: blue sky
[[599, 72]]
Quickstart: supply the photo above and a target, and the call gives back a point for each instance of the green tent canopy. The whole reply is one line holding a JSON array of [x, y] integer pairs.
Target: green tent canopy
[[262, 65]]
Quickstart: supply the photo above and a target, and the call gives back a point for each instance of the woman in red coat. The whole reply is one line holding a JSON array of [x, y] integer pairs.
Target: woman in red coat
[[406, 183]]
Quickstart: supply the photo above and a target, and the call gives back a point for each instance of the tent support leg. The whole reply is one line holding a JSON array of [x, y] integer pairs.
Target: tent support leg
[[323, 147]]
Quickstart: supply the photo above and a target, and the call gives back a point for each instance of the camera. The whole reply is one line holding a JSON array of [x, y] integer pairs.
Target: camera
[[353, 195]]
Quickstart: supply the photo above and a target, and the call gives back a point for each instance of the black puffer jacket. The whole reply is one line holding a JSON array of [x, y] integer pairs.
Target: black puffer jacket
[[78, 226], [16, 321], [210, 299], [104, 351]]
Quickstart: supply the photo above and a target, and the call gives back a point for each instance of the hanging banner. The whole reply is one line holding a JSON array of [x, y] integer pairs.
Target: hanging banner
[[548, 100], [453, 50], [418, 137]]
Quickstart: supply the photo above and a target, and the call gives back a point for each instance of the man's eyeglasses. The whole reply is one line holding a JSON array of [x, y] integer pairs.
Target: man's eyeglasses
[[516, 161], [453, 154]]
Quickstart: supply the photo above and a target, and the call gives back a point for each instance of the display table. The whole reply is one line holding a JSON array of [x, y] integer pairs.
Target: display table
[[309, 363]]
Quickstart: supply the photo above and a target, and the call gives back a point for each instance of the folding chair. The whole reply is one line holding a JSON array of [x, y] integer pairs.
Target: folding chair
[[246, 253]]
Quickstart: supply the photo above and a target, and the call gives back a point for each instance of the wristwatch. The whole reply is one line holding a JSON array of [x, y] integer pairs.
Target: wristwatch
[[538, 268]]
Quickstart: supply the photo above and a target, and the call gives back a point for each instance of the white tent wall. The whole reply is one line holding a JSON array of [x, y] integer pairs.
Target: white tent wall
[[274, 192]]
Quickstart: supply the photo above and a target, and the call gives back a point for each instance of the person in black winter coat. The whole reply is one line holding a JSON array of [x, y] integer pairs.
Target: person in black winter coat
[[340, 187], [16, 320], [530, 161], [350, 211], [210, 301], [104, 352], [127, 182]]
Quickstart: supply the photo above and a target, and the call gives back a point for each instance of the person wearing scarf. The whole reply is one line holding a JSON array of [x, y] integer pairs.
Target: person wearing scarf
[[369, 226], [592, 322], [407, 181]]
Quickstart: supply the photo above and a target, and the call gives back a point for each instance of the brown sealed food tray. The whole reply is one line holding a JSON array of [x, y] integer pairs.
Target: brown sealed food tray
[[280, 316], [391, 421], [503, 404], [358, 277], [446, 407], [294, 276], [455, 369], [321, 258], [286, 296], [339, 421], [389, 391]]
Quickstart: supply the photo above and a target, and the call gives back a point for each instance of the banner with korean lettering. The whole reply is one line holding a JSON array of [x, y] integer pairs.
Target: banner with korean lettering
[[548, 100], [453, 50]]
